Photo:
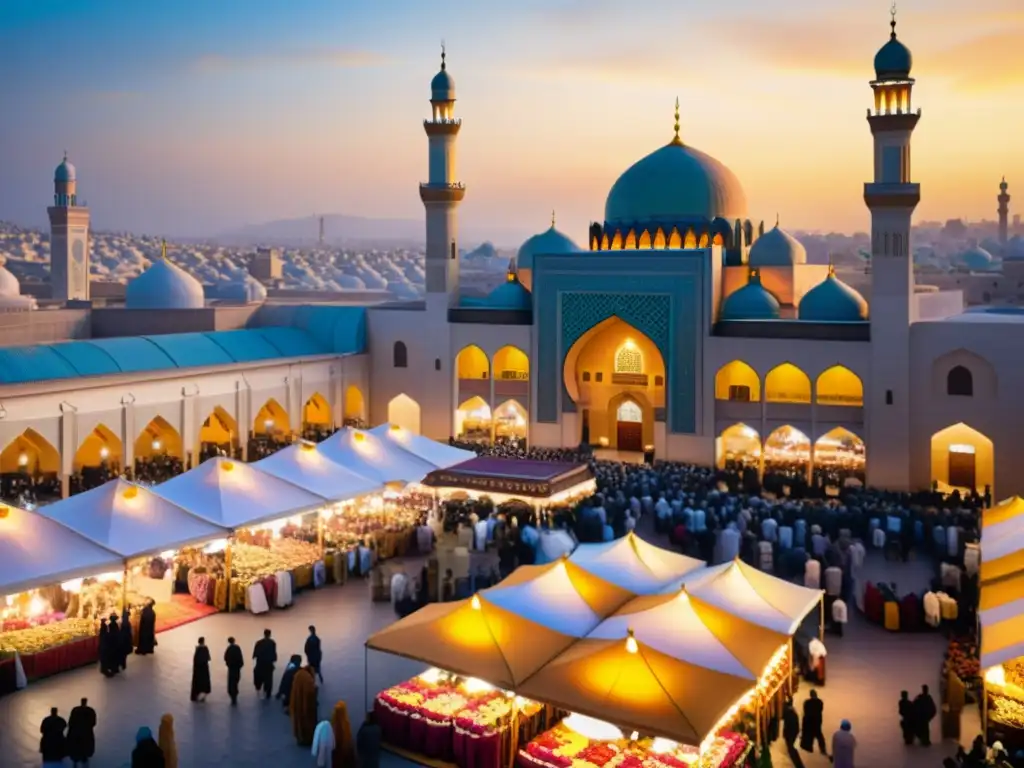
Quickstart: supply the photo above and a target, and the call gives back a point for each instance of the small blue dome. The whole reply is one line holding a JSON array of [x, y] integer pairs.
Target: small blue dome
[[509, 295], [893, 60], [442, 87], [1014, 248], [776, 248], [65, 171], [976, 259], [248, 290], [164, 286], [751, 302], [832, 301], [549, 241]]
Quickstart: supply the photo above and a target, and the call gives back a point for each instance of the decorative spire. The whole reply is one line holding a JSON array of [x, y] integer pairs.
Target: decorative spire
[[552, 218], [163, 250], [892, 23], [675, 139], [512, 275], [65, 155], [776, 220], [443, 53], [831, 266]]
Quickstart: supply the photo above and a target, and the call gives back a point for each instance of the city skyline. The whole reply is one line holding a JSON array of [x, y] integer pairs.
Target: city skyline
[[180, 124]]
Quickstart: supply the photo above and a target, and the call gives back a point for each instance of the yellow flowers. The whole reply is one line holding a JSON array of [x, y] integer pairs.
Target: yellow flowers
[[36, 639]]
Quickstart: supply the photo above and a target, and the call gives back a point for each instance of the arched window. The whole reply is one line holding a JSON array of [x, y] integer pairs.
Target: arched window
[[630, 412], [960, 382], [629, 359], [401, 355]]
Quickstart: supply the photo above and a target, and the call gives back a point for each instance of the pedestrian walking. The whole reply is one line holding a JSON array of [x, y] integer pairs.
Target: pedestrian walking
[[314, 654], [265, 655], [81, 739], [907, 721], [843, 746], [234, 661], [814, 712], [791, 732], [924, 713], [53, 742], [201, 671]]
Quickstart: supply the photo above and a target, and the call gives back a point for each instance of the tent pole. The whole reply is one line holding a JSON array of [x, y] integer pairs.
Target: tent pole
[[227, 572], [821, 617], [320, 532], [124, 587], [789, 672], [366, 679]]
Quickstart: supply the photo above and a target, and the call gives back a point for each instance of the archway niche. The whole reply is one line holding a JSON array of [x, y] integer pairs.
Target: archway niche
[[472, 363], [839, 458], [787, 384], [355, 407], [218, 435], [158, 440], [473, 421], [738, 448], [511, 364], [100, 448], [405, 412], [511, 422], [737, 381], [839, 386], [787, 451], [271, 420], [30, 453], [963, 459]]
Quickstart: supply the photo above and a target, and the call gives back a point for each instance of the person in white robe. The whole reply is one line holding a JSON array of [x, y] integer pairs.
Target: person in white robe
[[839, 616], [323, 744]]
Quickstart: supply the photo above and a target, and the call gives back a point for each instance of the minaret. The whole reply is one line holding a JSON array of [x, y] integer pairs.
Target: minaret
[[1004, 211], [441, 194], [891, 197], [69, 238]]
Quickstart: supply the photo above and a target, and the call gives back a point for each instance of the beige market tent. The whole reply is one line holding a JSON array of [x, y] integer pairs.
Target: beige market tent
[[632, 564], [1001, 615], [1002, 540], [1008, 509]]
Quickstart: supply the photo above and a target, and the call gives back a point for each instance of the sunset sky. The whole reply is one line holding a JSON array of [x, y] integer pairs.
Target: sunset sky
[[193, 117]]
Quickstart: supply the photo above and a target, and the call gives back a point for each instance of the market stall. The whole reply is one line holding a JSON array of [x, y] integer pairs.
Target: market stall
[[1002, 540], [259, 567], [541, 484], [37, 556], [439, 455], [373, 457], [635, 565]]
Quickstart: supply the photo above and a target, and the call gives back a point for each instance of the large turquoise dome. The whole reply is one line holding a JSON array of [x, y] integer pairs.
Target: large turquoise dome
[[832, 301], [548, 241], [976, 259], [675, 183], [776, 248], [751, 302]]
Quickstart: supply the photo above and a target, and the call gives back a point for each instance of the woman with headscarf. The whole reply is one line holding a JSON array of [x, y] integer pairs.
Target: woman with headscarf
[[125, 645], [302, 705], [201, 686], [284, 691], [344, 746], [113, 646], [104, 648], [147, 753], [147, 630], [323, 744], [168, 744]]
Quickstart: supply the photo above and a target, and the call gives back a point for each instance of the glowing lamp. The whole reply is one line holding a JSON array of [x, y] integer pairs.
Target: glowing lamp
[[631, 644], [961, 448], [37, 606], [396, 427], [358, 437], [475, 603], [156, 445], [130, 492], [634, 736], [22, 459], [268, 423], [104, 452], [227, 466], [308, 446], [4, 511]]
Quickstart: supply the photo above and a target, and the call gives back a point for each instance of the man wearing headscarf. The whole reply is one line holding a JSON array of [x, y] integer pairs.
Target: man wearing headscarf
[[147, 753], [284, 691], [81, 734], [302, 706], [234, 662], [147, 630], [265, 655], [344, 747], [125, 646], [843, 746], [168, 744], [52, 742], [201, 671]]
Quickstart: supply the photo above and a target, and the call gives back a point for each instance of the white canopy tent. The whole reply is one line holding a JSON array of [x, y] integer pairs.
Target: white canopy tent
[[374, 457], [550, 598], [36, 551], [301, 464], [131, 520], [633, 564], [441, 456], [233, 494]]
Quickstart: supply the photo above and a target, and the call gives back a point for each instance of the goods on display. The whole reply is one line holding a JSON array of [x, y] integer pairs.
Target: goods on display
[[48, 633], [387, 523], [251, 563], [963, 661]]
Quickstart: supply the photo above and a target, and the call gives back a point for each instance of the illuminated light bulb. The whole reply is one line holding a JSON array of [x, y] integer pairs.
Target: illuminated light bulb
[[396, 427], [358, 437], [227, 466], [475, 603], [631, 644], [634, 736], [131, 492], [156, 445], [104, 452], [268, 423], [683, 597], [22, 459], [308, 446]]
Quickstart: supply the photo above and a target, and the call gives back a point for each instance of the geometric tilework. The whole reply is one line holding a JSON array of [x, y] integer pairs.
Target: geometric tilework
[[648, 314]]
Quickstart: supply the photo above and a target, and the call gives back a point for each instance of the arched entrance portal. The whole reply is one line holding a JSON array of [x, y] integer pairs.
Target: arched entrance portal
[[30, 453], [839, 458], [962, 459], [405, 412], [511, 423], [473, 421], [317, 419], [739, 448], [271, 420], [100, 448], [355, 407], [611, 364], [219, 435], [787, 453]]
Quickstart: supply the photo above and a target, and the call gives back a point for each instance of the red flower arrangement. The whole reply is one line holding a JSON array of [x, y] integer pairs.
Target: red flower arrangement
[[546, 755], [598, 753]]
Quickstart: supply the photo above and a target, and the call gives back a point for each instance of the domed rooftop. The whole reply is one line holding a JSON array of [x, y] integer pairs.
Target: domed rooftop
[[776, 248], [65, 171], [164, 286], [548, 241], [248, 290], [9, 285], [442, 87], [893, 60], [1014, 248], [675, 183], [832, 301], [751, 302], [509, 295], [976, 259]]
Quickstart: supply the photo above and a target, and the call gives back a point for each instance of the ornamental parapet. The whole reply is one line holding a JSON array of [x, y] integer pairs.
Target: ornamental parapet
[[442, 193], [693, 232], [442, 127]]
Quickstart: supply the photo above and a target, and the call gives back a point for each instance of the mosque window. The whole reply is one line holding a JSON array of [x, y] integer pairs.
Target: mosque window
[[599, 377], [960, 382], [888, 397], [437, 363], [629, 359], [659, 381], [586, 375], [400, 355], [739, 393]]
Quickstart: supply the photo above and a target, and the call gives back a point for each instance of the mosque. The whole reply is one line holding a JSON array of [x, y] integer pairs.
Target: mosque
[[684, 327]]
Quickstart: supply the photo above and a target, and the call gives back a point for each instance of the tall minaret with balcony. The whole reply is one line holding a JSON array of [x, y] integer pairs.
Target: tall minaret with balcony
[[69, 238], [891, 197], [1004, 211], [441, 194]]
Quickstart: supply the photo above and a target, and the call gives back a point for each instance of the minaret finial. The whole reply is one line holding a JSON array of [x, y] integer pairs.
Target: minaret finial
[[892, 23], [163, 250], [552, 218], [831, 266], [65, 155], [675, 139], [443, 53], [513, 274], [776, 219]]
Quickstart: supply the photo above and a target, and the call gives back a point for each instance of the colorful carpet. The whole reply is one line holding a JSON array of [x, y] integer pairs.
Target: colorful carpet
[[183, 609]]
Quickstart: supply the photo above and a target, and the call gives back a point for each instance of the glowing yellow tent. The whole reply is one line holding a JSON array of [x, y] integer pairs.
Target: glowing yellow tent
[[750, 594], [632, 564], [1001, 614], [1002, 539], [1006, 510]]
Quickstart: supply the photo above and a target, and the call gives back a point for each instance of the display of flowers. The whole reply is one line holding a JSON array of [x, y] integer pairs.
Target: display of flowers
[[250, 563], [42, 637]]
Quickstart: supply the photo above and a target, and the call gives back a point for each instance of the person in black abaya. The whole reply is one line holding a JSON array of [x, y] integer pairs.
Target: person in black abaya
[[125, 645], [113, 646], [81, 734], [52, 743], [147, 630], [265, 655], [234, 661], [104, 648], [201, 672]]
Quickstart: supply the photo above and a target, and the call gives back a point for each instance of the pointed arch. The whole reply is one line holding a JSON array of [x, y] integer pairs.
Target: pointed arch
[[158, 438], [271, 419], [101, 447], [962, 458], [511, 421], [787, 450], [604, 242], [593, 243], [405, 412], [31, 453], [630, 241], [473, 420], [659, 239], [960, 381], [472, 363], [717, 239], [675, 240], [617, 241], [219, 429], [645, 240], [703, 241], [739, 446], [690, 241], [839, 385], [787, 383], [739, 382], [355, 405], [511, 363], [840, 450], [317, 412]]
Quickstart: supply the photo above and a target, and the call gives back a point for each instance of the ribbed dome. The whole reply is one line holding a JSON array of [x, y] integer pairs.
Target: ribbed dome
[[164, 286], [832, 301], [675, 183], [751, 302], [548, 241], [776, 248], [976, 259], [65, 171], [248, 290], [893, 60]]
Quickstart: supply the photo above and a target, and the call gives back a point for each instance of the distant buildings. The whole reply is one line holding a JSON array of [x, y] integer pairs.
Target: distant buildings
[[266, 265]]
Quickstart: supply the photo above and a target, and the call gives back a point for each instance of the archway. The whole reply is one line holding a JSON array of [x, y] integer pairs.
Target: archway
[[219, 435], [511, 363], [405, 412], [100, 448], [30, 453], [472, 363], [738, 382], [355, 407], [839, 386], [738, 448], [317, 418], [511, 422], [473, 421], [962, 458], [629, 425], [610, 363], [839, 456], [787, 384], [271, 420], [158, 440], [787, 452]]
